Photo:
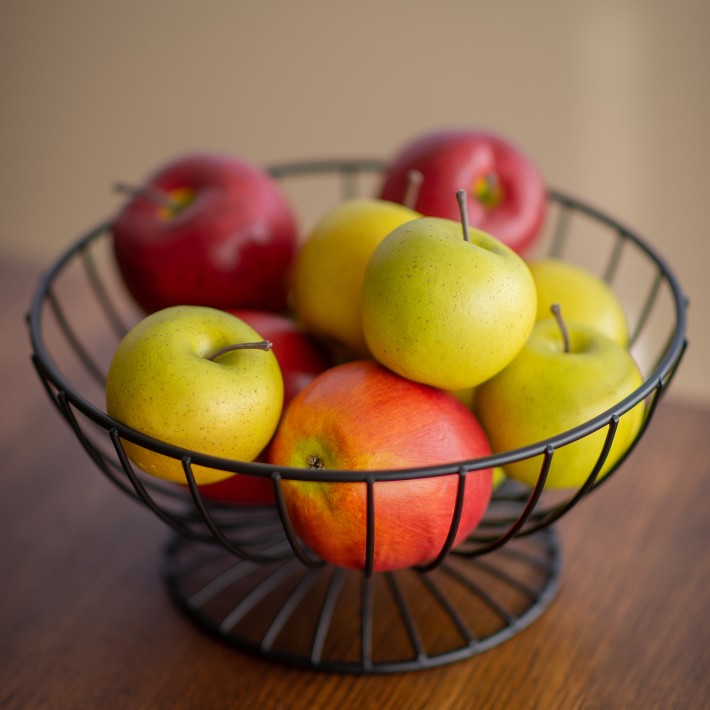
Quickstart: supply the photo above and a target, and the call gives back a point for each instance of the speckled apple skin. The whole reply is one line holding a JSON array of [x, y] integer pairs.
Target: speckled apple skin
[[360, 416], [162, 383], [582, 296], [445, 311], [545, 392]]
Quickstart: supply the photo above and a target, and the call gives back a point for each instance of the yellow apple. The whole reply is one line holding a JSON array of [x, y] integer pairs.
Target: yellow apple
[[583, 297], [443, 309], [329, 268], [198, 378], [552, 387]]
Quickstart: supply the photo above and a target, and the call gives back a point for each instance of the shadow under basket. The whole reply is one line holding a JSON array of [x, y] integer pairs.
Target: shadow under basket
[[240, 571]]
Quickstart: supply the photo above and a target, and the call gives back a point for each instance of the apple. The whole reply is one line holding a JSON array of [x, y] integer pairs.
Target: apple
[[583, 297], [360, 416], [329, 268], [206, 229], [301, 357], [567, 374], [199, 378], [505, 192], [446, 305]]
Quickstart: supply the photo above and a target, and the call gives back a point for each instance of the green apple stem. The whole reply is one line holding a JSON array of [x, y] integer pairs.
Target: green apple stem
[[149, 193], [414, 184], [557, 313], [259, 345], [463, 209]]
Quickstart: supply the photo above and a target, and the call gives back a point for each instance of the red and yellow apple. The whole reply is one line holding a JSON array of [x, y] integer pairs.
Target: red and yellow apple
[[360, 416]]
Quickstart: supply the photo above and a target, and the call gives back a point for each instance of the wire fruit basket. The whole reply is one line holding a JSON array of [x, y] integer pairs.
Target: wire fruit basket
[[239, 570]]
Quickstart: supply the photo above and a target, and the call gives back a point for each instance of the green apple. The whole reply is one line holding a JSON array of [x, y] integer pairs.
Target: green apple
[[444, 305], [583, 297], [199, 378], [562, 378], [329, 268]]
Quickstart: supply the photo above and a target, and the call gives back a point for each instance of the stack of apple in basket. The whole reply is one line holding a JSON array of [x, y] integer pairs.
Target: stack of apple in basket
[[404, 330]]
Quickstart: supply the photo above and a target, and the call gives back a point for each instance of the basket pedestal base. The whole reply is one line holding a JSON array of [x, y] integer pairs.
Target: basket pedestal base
[[332, 619]]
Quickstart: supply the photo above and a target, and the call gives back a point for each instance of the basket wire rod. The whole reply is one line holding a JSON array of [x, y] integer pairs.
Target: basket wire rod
[[97, 457], [493, 542], [446, 605], [647, 308], [455, 523], [615, 257], [216, 531], [290, 533], [240, 569], [529, 559], [648, 415], [288, 608], [267, 585], [407, 617], [367, 603], [315, 167], [83, 355], [168, 518], [370, 526], [484, 596], [561, 228], [550, 515], [503, 576], [349, 181], [335, 586], [101, 293], [45, 382]]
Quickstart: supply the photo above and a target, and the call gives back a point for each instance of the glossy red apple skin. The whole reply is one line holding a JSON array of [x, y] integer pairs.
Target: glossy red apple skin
[[230, 246], [454, 159], [360, 416], [301, 357]]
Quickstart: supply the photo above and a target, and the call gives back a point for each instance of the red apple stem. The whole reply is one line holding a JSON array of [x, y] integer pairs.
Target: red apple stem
[[414, 184], [149, 193], [557, 313], [259, 345], [463, 209]]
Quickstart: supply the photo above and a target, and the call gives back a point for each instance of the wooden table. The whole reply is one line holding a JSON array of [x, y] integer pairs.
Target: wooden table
[[86, 622]]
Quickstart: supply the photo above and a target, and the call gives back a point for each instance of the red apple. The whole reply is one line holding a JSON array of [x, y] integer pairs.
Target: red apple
[[301, 357], [361, 416], [506, 193], [209, 230]]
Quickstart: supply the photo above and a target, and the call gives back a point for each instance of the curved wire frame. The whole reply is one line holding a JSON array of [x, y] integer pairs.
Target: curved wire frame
[[260, 537]]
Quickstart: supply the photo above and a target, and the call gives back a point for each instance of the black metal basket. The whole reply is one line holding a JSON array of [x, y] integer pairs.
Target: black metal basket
[[241, 572]]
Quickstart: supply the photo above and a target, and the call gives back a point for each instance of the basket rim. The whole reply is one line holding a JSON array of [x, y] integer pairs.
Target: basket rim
[[656, 379]]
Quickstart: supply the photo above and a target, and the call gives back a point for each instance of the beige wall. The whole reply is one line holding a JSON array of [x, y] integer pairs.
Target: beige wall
[[611, 98]]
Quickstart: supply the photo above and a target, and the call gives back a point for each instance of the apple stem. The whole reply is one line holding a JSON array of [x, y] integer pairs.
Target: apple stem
[[260, 345], [557, 313], [414, 184], [315, 462], [463, 209], [149, 193]]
